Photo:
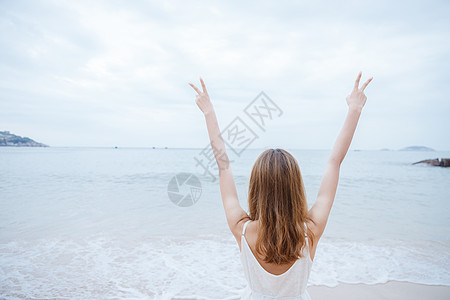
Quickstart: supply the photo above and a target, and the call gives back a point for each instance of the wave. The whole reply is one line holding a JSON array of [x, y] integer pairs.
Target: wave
[[206, 267]]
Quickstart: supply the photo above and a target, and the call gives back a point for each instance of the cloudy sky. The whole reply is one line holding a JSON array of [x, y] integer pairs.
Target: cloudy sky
[[116, 73]]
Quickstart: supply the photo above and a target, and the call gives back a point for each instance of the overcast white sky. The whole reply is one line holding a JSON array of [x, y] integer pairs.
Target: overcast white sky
[[116, 73]]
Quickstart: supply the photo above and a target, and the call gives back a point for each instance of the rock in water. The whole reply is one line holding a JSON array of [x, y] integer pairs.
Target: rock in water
[[444, 162]]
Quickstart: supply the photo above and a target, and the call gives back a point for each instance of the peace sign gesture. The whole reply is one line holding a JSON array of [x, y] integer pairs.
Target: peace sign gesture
[[357, 98], [202, 99]]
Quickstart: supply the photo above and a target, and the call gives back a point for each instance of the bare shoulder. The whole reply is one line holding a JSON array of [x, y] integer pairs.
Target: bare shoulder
[[237, 230], [317, 235]]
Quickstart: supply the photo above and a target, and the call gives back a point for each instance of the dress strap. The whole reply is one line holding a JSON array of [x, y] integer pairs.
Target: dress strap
[[306, 228], [245, 226]]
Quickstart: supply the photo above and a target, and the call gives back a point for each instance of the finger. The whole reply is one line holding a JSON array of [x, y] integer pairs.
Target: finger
[[366, 83], [203, 86], [357, 81], [195, 88]]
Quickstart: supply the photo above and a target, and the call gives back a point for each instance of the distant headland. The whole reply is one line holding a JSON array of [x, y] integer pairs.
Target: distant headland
[[8, 139], [417, 148], [410, 148]]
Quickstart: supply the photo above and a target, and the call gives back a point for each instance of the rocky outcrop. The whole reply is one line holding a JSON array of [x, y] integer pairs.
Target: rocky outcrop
[[8, 139], [444, 162]]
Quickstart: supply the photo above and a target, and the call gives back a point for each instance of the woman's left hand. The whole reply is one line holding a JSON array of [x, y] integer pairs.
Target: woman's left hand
[[202, 99]]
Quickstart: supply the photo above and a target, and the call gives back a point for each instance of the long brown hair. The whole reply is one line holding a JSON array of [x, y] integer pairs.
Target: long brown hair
[[277, 198]]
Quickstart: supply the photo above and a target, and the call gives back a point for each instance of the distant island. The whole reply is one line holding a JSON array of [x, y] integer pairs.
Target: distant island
[[417, 148], [8, 139]]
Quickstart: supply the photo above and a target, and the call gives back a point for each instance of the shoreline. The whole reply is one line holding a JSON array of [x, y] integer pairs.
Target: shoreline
[[392, 289]]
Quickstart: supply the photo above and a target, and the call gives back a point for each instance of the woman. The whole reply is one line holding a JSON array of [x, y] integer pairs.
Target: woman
[[279, 236]]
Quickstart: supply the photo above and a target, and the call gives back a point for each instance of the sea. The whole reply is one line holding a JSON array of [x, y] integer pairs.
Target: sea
[[144, 223]]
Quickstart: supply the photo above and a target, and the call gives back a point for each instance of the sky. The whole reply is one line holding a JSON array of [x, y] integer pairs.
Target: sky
[[116, 73]]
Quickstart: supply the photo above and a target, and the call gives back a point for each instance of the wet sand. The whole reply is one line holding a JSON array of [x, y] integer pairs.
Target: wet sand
[[397, 290]]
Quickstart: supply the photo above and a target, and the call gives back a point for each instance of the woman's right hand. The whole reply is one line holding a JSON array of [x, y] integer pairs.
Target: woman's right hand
[[202, 99], [357, 99]]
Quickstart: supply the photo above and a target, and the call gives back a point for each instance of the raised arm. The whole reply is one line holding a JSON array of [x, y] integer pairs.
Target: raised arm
[[233, 210], [321, 209]]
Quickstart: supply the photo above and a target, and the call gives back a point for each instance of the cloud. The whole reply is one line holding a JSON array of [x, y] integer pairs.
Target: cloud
[[108, 73]]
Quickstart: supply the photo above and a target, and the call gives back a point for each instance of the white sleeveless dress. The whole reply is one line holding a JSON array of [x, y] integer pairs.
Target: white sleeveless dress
[[262, 285]]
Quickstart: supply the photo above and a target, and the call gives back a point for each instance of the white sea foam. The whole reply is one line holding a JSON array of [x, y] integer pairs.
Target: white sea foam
[[203, 268]]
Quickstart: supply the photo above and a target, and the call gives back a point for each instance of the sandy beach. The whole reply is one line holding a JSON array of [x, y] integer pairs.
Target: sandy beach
[[397, 290]]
